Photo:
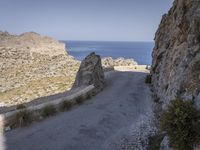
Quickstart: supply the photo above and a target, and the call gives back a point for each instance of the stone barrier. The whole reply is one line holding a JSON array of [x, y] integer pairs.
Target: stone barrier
[[83, 93]]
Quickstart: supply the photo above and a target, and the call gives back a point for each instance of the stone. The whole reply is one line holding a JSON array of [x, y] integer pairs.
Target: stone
[[8, 128], [134, 137], [124, 62], [164, 145], [176, 56], [109, 62], [90, 73]]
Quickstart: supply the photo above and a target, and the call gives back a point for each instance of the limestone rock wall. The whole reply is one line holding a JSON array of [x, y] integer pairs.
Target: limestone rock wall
[[33, 66], [176, 55]]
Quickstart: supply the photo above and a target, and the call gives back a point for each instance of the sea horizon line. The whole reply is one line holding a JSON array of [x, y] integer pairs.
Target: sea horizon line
[[103, 41]]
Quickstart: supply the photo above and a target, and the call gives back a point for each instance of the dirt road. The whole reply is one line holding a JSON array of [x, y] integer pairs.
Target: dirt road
[[87, 127]]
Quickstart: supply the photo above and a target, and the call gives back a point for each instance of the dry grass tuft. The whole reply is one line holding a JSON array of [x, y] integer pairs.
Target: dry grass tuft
[[48, 111]]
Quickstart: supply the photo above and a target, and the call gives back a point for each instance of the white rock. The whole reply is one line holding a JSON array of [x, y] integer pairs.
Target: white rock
[[7, 128]]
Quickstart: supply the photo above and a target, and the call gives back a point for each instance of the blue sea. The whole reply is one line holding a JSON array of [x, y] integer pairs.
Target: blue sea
[[139, 51]]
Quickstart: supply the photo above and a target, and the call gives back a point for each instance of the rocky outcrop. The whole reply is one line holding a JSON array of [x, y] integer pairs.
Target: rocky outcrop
[[176, 55], [109, 62], [90, 73], [33, 66]]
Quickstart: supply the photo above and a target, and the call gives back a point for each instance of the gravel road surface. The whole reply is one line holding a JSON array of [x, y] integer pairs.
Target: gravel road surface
[[88, 126]]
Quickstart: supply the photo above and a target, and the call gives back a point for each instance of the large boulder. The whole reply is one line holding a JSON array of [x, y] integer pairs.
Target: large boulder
[[176, 55], [90, 73]]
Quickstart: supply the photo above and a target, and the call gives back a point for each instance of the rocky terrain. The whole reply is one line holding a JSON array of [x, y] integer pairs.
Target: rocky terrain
[[109, 62], [33, 66], [122, 120], [33, 42], [90, 73], [176, 55]]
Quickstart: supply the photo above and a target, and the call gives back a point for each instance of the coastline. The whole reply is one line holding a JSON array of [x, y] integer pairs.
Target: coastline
[[139, 51]]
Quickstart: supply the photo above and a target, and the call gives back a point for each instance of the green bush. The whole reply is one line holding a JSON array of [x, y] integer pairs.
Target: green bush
[[22, 118], [148, 79], [21, 106], [181, 122], [48, 111], [66, 105]]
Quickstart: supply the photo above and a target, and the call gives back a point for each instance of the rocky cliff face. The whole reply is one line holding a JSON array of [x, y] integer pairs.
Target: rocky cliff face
[[33, 66], [176, 55]]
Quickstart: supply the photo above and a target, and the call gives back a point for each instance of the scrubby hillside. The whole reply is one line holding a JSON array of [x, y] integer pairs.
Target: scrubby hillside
[[33, 66]]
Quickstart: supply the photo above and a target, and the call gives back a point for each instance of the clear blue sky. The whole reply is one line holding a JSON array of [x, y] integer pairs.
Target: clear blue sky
[[107, 20]]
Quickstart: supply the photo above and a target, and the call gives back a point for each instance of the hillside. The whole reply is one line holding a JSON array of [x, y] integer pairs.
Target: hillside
[[33, 66]]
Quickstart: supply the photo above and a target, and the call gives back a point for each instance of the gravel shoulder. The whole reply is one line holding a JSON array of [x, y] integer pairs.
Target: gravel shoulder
[[123, 102]]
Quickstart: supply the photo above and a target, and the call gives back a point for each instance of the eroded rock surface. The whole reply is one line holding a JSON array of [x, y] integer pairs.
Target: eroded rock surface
[[90, 72], [176, 55], [33, 66], [109, 62]]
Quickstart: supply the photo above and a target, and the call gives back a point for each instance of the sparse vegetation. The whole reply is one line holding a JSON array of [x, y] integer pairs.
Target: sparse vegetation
[[83, 98], [66, 105], [25, 117], [20, 106], [89, 96], [22, 118], [48, 111], [36, 88], [148, 79], [181, 122], [80, 99]]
